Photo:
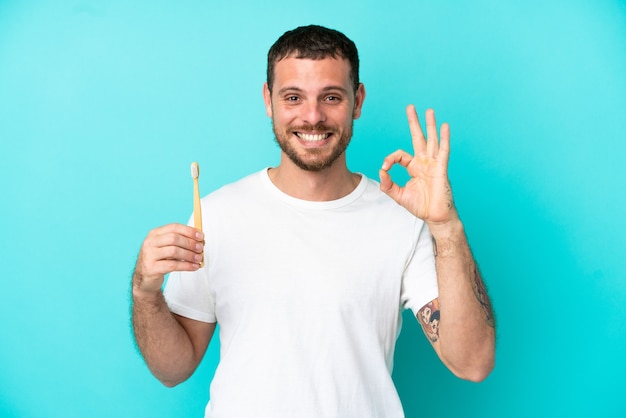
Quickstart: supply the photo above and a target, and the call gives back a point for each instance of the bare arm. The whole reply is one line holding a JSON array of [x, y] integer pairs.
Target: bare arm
[[463, 333], [171, 345], [461, 327]]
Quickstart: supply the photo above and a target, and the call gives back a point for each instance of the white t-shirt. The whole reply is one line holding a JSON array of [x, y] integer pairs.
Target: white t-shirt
[[308, 297]]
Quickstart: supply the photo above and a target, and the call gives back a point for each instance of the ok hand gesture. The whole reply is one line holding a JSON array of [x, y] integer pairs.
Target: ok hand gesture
[[428, 194]]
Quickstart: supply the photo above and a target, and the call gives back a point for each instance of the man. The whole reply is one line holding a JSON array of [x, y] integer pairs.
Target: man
[[308, 265]]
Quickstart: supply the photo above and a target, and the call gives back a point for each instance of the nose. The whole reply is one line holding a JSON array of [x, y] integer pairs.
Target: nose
[[313, 113]]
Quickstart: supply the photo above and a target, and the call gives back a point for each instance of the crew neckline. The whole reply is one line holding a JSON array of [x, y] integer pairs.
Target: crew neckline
[[310, 204]]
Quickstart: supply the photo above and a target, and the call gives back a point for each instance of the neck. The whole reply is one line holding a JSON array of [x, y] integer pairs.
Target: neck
[[331, 183]]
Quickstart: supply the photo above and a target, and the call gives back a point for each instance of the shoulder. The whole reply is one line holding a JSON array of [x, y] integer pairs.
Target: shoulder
[[378, 200], [382, 211], [243, 188]]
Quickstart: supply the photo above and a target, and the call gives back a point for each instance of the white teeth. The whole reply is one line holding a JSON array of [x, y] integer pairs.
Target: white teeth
[[312, 138]]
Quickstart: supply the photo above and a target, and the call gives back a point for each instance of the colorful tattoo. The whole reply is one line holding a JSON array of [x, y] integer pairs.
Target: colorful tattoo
[[428, 318]]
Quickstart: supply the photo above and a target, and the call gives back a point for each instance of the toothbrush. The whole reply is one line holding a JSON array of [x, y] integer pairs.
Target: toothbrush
[[197, 212]]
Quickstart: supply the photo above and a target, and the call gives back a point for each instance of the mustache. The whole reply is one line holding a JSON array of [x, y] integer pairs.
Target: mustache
[[319, 127]]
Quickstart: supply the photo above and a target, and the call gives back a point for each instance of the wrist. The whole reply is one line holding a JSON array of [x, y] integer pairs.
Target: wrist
[[148, 301], [146, 289], [448, 238], [446, 229], [146, 294]]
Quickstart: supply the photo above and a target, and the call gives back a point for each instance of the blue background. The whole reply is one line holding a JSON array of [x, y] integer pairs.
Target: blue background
[[103, 105]]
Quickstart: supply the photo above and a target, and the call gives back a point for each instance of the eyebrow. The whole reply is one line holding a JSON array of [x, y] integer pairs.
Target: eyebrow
[[299, 90]]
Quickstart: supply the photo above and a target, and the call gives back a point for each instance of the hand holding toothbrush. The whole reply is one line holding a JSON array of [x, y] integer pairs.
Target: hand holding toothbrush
[[173, 247]]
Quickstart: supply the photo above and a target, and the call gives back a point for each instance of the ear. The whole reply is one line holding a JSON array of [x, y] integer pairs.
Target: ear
[[267, 98], [359, 98]]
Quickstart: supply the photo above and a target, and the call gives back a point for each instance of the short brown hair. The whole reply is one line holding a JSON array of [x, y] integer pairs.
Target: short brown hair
[[313, 42]]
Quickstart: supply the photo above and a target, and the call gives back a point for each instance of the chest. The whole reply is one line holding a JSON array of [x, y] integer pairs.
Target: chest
[[283, 261]]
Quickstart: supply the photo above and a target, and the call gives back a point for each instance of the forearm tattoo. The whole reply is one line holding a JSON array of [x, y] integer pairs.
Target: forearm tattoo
[[480, 291], [428, 318], [478, 286]]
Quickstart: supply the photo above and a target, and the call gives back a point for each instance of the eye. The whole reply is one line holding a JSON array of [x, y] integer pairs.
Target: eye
[[332, 98], [292, 98]]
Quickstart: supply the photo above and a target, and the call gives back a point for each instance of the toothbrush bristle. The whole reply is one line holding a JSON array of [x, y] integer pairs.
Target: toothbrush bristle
[[195, 170]]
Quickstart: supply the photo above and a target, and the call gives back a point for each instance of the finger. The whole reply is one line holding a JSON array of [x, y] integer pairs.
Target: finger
[[417, 136], [153, 262], [180, 229], [172, 252], [175, 241], [178, 240], [432, 146], [172, 247], [151, 253], [163, 267], [398, 157], [444, 145], [177, 265], [154, 257], [388, 186]]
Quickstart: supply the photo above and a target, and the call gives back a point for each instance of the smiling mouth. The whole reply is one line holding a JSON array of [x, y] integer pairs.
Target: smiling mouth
[[312, 137]]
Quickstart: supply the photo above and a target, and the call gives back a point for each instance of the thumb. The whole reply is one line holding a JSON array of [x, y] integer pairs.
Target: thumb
[[387, 185]]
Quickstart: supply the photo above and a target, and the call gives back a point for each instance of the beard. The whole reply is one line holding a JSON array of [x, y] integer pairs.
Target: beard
[[312, 159]]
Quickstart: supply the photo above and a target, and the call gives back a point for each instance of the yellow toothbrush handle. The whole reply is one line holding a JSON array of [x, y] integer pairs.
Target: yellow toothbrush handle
[[197, 209]]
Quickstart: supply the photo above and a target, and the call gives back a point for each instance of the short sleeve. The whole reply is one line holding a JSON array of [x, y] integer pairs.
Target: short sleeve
[[187, 294], [419, 282]]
